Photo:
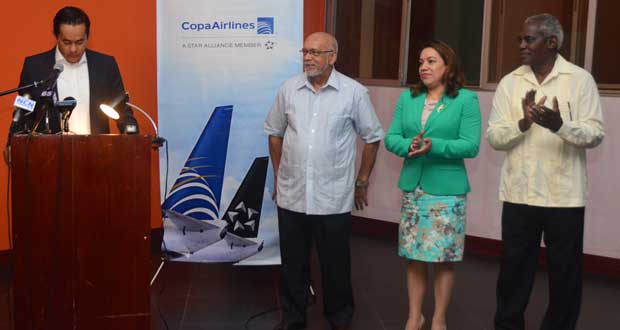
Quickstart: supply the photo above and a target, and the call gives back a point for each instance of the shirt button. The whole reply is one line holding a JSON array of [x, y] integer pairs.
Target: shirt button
[[315, 114], [310, 147], [312, 130]]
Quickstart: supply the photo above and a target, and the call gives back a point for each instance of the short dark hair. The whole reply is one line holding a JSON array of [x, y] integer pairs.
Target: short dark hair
[[454, 78], [71, 16]]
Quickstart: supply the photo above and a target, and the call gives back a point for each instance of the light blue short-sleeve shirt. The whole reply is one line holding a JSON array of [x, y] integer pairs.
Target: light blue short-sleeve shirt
[[319, 130]]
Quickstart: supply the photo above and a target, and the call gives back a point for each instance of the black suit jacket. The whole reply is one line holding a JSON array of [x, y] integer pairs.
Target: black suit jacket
[[105, 84]]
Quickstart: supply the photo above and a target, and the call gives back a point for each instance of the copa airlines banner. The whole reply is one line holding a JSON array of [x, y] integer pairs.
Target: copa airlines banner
[[220, 63]]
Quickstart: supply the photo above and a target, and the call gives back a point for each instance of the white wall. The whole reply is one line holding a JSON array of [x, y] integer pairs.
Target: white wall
[[602, 229]]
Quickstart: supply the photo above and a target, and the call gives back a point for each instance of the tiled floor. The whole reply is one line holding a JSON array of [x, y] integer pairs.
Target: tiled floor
[[223, 297]]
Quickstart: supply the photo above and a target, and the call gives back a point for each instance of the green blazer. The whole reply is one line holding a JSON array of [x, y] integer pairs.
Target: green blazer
[[454, 129]]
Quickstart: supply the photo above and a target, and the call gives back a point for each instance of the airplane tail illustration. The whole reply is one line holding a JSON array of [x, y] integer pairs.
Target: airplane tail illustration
[[243, 213], [191, 209], [242, 219]]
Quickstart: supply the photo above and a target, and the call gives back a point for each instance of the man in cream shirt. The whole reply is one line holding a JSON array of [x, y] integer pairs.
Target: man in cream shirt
[[545, 115]]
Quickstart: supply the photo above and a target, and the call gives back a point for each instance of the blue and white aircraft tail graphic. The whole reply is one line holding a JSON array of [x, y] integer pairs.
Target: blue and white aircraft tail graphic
[[191, 209], [242, 220]]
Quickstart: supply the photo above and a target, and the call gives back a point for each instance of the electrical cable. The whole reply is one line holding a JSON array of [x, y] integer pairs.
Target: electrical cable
[[164, 258], [255, 316], [158, 305]]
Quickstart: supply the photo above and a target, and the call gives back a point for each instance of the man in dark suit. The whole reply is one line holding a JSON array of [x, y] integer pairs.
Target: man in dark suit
[[90, 77]]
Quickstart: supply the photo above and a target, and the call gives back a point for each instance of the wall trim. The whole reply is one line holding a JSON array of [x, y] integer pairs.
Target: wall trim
[[385, 230], [480, 246]]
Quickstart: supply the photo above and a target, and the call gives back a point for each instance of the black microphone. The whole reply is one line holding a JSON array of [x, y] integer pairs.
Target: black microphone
[[53, 76], [66, 105], [47, 82]]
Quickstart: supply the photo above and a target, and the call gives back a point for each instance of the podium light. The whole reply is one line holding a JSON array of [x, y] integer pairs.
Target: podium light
[[109, 111], [158, 141]]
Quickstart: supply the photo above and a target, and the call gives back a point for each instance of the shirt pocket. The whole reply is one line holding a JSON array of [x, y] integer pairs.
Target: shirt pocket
[[340, 141], [290, 184], [336, 125], [292, 155], [334, 184], [291, 115], [339, 115]]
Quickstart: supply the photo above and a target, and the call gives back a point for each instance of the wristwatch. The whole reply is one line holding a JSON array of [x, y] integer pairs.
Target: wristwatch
[[361, 184]]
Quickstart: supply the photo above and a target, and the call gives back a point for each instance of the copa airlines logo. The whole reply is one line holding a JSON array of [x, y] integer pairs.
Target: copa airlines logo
[[259, 25], [265, 25]]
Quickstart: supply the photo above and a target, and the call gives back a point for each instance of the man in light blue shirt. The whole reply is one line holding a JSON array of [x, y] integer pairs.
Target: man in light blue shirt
[[312, 128]]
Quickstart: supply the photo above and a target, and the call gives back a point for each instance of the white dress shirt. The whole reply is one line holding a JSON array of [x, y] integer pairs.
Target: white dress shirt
[[73, 81], [543, 168], [319, 130]]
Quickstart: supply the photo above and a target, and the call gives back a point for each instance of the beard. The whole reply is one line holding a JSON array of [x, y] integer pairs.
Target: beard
[[315, 72]]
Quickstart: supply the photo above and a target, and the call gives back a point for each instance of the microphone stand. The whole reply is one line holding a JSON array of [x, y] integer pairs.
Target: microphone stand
[[34, 84], [64, 120]]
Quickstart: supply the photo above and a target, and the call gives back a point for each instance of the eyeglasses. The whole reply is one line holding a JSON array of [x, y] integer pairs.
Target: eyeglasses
[[314, 52]]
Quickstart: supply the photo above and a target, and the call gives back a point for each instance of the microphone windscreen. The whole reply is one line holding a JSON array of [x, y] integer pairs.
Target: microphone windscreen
[[67, 104], [59, 67]]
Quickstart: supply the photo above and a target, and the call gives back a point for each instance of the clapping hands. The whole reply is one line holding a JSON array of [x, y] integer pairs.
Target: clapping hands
[[537, 112], [419, 145]]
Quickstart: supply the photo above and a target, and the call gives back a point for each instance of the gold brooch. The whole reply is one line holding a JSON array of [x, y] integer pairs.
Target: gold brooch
[[440, 108]]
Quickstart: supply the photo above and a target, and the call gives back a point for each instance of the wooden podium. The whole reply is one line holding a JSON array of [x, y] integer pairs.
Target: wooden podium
[[81, 225]]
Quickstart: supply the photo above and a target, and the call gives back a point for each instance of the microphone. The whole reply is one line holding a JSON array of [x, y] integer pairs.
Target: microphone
[[65, 107], [22, 106], [47, 82], [53, 76]]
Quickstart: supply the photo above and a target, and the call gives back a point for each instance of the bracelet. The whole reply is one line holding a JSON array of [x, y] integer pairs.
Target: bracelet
[[361, 184]]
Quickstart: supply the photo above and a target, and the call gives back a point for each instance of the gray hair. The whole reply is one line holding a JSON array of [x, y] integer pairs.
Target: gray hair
[[330, 39], [335, 44], [548, 26]]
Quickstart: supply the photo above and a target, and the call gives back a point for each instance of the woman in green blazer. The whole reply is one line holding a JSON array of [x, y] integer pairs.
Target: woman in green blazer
[[436, 126]]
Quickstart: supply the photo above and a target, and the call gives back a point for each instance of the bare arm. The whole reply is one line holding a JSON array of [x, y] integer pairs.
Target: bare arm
[[369, 155], [275, 152]]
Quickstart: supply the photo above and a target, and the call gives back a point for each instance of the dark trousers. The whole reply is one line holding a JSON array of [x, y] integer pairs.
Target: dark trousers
[[331, 234], [522, 229]]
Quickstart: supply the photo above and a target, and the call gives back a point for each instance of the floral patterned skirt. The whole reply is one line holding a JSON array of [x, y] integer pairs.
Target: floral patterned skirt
[[432, 228]]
